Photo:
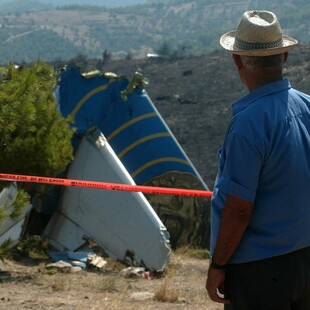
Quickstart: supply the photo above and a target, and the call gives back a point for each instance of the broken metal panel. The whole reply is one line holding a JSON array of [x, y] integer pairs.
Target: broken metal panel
[[63, 234], [12, 229], [134, 128], [14, 233], [122, 223]]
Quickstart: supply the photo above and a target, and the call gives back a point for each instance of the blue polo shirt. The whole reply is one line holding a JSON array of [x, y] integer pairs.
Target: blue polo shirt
[[265, 159]]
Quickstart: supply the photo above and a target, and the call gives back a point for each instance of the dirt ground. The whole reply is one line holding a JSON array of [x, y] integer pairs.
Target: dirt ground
[[27, 284]]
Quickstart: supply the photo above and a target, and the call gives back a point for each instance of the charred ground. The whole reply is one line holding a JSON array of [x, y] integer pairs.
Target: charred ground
[[194, 96]]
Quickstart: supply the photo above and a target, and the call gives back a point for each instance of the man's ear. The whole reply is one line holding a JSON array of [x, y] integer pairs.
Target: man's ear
[[237, 61]]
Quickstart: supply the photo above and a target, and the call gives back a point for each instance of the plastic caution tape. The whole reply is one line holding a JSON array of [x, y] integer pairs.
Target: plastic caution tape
[[106, 186]]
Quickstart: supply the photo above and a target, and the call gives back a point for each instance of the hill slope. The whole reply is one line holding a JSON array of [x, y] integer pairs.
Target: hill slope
[[182, 27], [195, 96]]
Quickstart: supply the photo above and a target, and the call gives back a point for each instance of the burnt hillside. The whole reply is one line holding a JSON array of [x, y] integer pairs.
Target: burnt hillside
[[194, 97]]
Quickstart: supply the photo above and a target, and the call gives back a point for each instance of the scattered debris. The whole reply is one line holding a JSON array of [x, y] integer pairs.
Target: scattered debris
[[96, 261], [60, 265], [133, 272]]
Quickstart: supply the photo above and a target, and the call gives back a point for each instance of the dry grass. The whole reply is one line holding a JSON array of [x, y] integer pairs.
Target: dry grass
[[108, 283], [193, 253], [166, 294], [58, 284], [181, 286]]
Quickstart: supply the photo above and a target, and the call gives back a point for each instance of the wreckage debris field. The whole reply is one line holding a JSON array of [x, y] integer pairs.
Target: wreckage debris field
[[194, 97]]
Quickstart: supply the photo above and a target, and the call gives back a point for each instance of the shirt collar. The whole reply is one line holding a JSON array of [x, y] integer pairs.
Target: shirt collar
[[260, 92]]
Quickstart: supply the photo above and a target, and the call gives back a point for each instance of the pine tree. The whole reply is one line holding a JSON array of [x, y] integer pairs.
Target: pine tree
[[35, 139]]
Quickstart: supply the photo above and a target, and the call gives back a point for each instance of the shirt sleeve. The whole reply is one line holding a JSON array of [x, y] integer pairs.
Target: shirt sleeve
[[240, 166]]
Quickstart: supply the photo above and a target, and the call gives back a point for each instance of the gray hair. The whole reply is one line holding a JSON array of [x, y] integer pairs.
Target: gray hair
[[255, 63]]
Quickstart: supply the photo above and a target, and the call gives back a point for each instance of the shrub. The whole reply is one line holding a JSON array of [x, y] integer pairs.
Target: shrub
[[35, 139]]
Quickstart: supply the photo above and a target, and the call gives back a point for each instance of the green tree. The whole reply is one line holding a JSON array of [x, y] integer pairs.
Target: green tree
[[35, 139]]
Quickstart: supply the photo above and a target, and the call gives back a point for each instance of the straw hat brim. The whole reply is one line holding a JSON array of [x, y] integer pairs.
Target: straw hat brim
[[228, 40]]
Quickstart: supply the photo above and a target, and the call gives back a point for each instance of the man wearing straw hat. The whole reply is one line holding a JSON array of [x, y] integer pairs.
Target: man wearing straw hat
[[260, 219]]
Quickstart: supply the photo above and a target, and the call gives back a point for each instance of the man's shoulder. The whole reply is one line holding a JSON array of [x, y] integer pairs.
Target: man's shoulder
[[300, 94]]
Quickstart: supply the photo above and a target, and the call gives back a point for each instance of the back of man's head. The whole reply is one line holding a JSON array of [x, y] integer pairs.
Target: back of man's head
[[255, 63]]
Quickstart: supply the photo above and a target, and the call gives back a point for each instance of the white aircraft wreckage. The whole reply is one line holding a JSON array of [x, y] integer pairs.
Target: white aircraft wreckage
[[124, 224], [12, 228]]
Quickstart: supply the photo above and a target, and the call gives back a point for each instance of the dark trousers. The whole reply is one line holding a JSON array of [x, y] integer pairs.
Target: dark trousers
[[277, 283]]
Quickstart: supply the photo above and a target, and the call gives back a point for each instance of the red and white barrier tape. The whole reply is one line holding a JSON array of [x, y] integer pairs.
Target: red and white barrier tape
[[106, 186]]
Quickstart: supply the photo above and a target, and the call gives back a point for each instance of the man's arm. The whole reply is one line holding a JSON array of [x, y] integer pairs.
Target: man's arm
[[236, 216]]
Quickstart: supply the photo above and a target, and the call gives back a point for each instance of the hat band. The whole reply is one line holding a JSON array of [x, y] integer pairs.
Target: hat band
[[243, 45]]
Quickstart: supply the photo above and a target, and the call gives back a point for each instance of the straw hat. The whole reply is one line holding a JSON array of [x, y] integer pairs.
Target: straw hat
[[258, 34]]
